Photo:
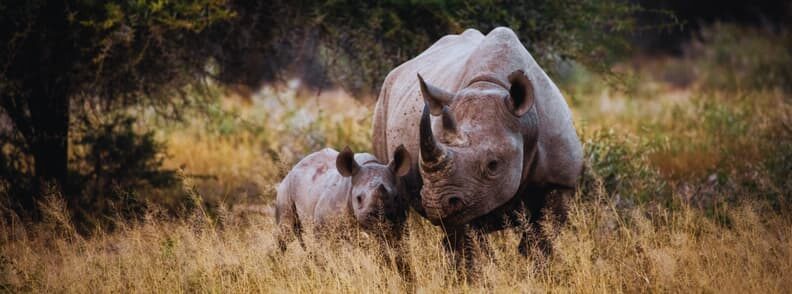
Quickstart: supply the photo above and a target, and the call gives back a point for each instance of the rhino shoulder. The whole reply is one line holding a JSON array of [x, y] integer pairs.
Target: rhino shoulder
[[469, 35], [560, 151], [333, 193], [560, 160]]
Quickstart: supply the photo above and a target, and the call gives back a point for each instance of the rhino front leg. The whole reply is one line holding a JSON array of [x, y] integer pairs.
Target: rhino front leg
[[551, 208], [395, 252], [403, 265], [462, 244], [482, 243], [532, 237]]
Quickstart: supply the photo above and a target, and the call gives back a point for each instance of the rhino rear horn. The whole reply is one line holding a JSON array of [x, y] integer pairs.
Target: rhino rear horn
[[431, 151], [382, 190], [434, 96], [521, 93], [449, 122], [346, 164]]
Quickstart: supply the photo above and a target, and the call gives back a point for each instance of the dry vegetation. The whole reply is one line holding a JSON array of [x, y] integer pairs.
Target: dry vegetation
[[604, 249], [686, 190]]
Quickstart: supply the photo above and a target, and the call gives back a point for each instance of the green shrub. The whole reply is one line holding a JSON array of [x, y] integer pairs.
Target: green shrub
[[111, 164], [620, 167], [736, 58]]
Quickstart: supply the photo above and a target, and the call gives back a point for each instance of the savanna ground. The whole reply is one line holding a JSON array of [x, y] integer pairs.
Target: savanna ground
[[686, 188]]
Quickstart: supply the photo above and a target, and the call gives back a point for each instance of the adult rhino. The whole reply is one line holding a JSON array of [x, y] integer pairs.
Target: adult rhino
[[499, 141]]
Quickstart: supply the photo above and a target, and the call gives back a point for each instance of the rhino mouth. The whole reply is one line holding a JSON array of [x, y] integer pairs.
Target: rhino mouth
[[451, 220], [377, 220], [440, 216], [371, 218]]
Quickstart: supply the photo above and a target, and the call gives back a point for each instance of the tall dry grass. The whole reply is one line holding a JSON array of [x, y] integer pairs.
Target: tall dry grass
[[603, 249]]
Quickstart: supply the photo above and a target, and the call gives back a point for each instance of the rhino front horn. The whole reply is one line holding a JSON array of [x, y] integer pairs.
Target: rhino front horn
[[430, 151]]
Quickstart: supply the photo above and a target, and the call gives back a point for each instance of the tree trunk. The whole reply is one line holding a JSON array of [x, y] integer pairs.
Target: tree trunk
[[42, 117], [49, 146], [48, 83]]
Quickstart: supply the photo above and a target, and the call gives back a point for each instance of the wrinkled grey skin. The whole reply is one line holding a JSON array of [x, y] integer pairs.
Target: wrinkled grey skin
[[489, 132], [336, 192]]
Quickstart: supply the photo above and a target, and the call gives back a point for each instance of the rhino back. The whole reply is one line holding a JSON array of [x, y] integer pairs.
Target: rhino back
[[315, 187]]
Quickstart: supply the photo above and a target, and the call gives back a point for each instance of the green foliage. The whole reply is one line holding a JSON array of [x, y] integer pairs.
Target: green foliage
[[778, 164], [116, 155], [370, 39], [111, 163], [227, 122], [620, 167], [139, 49], [367, 39], [590, 32], [15, 169], [123, 51], [708, 129], [59, 55], [733, 57]]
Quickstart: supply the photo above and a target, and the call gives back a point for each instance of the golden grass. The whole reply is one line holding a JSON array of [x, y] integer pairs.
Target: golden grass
[[603, 249]]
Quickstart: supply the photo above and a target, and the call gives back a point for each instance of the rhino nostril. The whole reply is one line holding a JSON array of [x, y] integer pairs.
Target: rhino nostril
[[359, 199], [454, 202]]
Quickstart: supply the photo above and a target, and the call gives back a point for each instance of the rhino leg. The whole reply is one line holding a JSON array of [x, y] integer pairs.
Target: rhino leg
[[532, 238], [551, 208], [465, 250], [483, 244], [289, 226], [395, 252]]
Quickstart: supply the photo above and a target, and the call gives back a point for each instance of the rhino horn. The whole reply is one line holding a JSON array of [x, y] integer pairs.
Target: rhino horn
[[431, 151], [449, 122], [436, 98], [382, 190]]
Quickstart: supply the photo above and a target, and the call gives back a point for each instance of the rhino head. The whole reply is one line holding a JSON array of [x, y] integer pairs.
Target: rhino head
[[374, 198], [474, 163]]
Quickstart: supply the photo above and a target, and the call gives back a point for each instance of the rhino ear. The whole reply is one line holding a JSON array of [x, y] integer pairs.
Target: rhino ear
[[346, 164], [401, 163], [434, 96], [521, 93]]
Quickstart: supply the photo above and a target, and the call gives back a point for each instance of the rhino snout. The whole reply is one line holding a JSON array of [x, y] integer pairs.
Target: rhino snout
[[442, 207]]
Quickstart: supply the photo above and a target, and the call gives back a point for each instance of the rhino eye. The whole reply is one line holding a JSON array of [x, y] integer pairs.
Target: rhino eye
[[359, 199]]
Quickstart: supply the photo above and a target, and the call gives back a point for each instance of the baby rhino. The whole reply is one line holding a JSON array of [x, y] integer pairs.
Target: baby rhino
[[338, 191]]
